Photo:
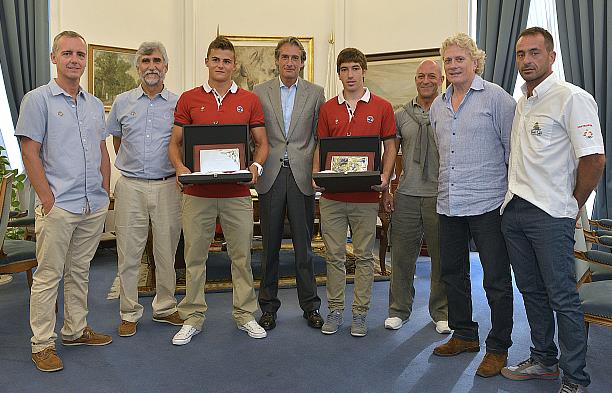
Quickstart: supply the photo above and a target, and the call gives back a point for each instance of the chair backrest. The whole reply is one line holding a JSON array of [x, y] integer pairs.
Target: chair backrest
[[31, 201], [27, 198], [582, 270], [5, 204]]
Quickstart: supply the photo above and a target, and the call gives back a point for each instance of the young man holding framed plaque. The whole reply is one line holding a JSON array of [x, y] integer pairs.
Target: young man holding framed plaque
[[354, 112], [219, 101]]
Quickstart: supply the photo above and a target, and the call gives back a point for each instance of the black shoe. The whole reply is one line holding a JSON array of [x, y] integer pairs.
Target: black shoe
[[314, 319], [268, 320]]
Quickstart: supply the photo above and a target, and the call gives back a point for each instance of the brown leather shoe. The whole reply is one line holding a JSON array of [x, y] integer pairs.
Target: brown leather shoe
[[492, 364], [127, 328], [455, 346], [172, 319], [89, 337], [47, 360]]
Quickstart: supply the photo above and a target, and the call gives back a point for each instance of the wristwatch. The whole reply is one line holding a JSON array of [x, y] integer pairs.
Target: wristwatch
[[259, 168]]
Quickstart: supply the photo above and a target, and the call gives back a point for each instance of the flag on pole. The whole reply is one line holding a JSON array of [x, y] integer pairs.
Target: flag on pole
[[331, 86]]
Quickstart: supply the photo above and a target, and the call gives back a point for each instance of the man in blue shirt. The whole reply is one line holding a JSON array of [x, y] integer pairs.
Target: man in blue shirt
[[141, 124], [472, 122], [61, 130]]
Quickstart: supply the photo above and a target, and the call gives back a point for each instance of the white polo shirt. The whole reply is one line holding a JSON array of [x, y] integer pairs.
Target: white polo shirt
[[552, 129]]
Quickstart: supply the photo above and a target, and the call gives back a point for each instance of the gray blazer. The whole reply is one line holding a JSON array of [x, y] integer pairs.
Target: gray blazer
[[300, 141]]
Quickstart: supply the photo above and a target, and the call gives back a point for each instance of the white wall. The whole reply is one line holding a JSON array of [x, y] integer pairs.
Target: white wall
[[186, 27]]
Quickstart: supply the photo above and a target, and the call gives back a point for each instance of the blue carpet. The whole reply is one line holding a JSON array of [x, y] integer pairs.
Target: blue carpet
[[294, 357]]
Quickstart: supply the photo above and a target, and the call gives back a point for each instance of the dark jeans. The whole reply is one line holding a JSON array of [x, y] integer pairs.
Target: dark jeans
[[455, 260], [541, 251]]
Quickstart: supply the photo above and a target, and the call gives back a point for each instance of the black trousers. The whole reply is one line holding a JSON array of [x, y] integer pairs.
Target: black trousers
[[455, 234], [283, 198]]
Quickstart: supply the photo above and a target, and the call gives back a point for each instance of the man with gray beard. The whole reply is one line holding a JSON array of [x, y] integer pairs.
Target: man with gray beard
[[141, 123]]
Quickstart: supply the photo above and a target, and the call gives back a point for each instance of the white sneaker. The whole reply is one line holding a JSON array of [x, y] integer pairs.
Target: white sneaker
[[184, 335], [442, 327], [253, 329], [394, 323]]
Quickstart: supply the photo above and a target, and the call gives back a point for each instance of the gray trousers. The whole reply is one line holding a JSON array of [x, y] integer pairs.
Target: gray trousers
[[414, 217], [283, 198]]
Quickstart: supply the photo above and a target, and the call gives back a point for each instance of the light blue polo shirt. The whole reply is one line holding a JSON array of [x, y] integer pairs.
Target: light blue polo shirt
[[70, 134], [144, 126]]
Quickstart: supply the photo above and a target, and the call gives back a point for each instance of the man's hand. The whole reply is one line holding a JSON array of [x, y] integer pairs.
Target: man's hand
[[48, 205], [254, 173], [316, 187], [182, 170], [384, 183], [387, 201]]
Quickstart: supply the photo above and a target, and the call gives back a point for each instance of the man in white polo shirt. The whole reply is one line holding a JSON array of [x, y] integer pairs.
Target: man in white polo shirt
[[556, 160]]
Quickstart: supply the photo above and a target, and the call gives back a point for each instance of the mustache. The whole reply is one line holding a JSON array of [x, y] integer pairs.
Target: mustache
[[152, 72]]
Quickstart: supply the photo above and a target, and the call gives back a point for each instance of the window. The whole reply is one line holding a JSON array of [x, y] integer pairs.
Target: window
[[7, 138], [543, 13]]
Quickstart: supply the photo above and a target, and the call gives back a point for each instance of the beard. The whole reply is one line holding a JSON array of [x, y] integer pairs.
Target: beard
[[152, 78]]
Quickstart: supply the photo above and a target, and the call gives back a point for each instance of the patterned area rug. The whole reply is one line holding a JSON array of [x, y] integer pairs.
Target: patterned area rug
[[219, 277]]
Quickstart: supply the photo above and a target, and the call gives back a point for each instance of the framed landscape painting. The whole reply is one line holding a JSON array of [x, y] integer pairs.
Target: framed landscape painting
[[255, 59], [391, 75], [111, 71]]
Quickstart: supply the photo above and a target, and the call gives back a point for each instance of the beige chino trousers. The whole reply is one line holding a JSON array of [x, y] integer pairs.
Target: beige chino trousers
[[65, 244], [199, 220], [336, 217], [138, 201]]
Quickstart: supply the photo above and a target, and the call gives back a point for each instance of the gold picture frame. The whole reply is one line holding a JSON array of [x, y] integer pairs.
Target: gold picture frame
[[255, 59], [391, 75], [111, 70]]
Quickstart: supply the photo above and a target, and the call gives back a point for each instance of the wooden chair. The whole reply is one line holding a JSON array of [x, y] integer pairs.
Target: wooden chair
[[15, 255], [595, 290], [604, 223], [25, 219]]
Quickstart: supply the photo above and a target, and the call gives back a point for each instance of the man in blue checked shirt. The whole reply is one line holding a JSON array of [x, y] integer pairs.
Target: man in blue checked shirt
[[61, 131], [141, 124], [472, 122]]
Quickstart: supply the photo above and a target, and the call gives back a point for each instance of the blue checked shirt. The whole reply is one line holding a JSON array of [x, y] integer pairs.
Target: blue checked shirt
[[70, 134], [474, 147], [144, 126]]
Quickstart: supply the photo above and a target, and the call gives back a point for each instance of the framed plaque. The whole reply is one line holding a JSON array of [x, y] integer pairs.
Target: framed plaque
[[216, 153], [343, 162], [350, 164], [219, 158]]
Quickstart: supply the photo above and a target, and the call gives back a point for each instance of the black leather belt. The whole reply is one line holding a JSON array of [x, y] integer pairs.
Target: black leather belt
[[158, 179], [285, 162]]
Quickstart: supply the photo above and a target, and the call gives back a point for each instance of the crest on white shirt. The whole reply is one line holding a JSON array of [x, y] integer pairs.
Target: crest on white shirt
[[536, 129]]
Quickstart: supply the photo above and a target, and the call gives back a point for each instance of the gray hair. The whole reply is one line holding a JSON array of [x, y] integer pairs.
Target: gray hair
[[291, 41], [148, 47], [65, 33]]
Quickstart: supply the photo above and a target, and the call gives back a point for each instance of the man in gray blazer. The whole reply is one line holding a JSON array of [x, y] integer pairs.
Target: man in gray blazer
[[291, 109]]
